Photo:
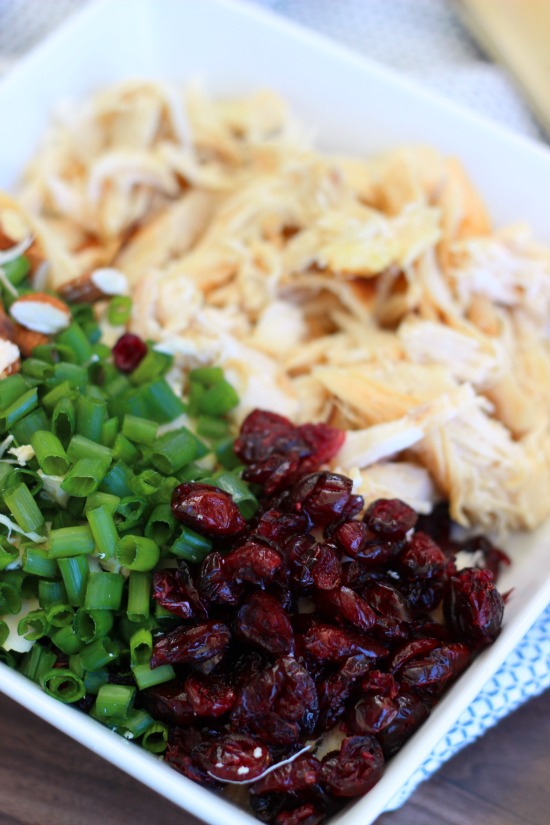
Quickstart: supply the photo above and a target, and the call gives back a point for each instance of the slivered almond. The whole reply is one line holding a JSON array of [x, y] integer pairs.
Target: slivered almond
[[95, 286], [10, 362], [40, 312], [27, 339]]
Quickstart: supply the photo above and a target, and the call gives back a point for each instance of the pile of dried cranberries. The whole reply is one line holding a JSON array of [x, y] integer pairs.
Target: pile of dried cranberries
[[308, 620]]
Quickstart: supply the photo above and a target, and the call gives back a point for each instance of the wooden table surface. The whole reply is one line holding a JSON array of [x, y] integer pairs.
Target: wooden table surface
[[46, 778]]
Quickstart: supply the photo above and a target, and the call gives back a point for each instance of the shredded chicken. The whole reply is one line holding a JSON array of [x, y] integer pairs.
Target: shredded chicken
[[372, 293]]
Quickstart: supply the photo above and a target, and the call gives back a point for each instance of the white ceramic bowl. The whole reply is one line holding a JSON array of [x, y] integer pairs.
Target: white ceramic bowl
[[354, 106]]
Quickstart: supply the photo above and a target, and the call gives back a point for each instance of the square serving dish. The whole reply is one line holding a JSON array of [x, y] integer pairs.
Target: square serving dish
[[354, 106]]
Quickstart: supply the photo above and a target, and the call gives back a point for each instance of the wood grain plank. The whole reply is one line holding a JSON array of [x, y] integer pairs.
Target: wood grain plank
[[45, 777]]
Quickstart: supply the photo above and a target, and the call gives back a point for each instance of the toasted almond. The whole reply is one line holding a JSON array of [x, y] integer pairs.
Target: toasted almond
[[7, 327], [95, 286], [10, 362], [28, 339], [40, 312]]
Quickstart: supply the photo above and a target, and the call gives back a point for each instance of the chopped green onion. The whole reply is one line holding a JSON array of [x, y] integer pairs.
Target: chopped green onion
[[225, 453], [21, 407], [4, 632], [118, 480], [51, 456], [161, 524], [146, 677], [219, 399], [70, 541], [64, 419], [137, 553], [6, 470], [139, 596], [114, 701], [117, 385], [91, 414], [124, 450], [74, 338], [119, 310], [146, 483], [70, 374], [60, 614], [8, 553], [36, 662], [131, 511], [155, 738], [104, 591], [90, 625], [85, 477], [62, 684], [136, 723], [212, 428], [106, 500], [51, 593], [241, 494], [173, 450], [207, 376], [34, 625], [10, 599], [104, 531], [23, 431], [99, 653], [109, 432], [37, 563], [191, 546], [153, 365], [139, 430], [74, 572], [62, 392], [81, 447], [23, 508], [196, 392], [19, 474], [66, 640], [35, 368], [141, 647], [17, 270], [12, 388], [193, 472], [162, 404], [93, 680]]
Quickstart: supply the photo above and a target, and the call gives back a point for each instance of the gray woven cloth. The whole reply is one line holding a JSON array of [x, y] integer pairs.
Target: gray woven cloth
[[424, 39]]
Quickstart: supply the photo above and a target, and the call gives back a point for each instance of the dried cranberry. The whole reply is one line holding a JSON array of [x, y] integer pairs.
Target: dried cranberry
[[355, 575], [411, 712], [347, 606], [169, 702], [351, 537], [334, 691], [299, 775], [390, 518], [209, 696], [355, 768], [214, 583], [234, 757], [324, 496], [378, 682], [277, 452], [277, 527], [326, 570], [306, 814], [256, 563], [174, 590], [437, 524], [428, 675], [393, 616], [207, 509], [266, 806], [473, 607], [262, 621], [202, 646], [411, 650], [372, 714], [184, 764], [241, 670], [334, 644], [128, 352], [422, 558], [279, 704]]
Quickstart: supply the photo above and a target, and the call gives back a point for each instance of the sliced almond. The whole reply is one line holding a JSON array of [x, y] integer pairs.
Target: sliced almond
[[95, 286], [40, 312], [27, 339], [10, 362]]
